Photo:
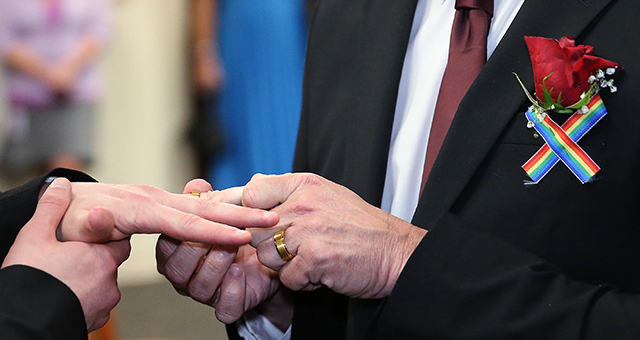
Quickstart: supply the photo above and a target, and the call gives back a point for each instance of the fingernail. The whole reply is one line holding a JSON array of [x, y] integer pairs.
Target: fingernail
[[235, 271], [242, 232], [59, 183]]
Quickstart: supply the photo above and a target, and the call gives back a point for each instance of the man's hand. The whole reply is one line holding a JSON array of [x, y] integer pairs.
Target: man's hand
[[102, 212], [88, 269], [337, 239], [229, 278]]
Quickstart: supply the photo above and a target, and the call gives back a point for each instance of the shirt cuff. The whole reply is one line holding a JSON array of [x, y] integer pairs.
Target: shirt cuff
[[255, 326]]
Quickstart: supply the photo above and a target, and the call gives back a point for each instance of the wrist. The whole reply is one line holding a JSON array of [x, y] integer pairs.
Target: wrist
[[408, 239]]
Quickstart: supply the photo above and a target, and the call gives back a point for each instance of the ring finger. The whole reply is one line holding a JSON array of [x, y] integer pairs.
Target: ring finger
[[268, 252], [209, 276], [183, 262]]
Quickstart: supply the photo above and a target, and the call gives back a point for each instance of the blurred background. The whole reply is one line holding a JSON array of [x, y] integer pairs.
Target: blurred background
[[154, 92]]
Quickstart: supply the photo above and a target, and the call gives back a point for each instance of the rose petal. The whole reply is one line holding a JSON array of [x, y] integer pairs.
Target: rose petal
[[570, 67], [548, 58]]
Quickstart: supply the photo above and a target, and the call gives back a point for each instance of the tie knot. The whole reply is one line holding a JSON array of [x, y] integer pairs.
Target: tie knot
[[485, 5]]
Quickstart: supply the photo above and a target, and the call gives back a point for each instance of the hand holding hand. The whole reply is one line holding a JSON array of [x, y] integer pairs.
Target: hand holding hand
[[102, 212], [337, 239], [63, 74], [230, 279], [88, 269]]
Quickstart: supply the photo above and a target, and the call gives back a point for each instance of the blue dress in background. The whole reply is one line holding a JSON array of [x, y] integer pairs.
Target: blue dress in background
[[262, 46]]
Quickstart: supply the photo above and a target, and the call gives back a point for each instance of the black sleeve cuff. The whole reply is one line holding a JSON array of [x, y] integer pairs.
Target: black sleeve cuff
[[18, 205], [35, 305]]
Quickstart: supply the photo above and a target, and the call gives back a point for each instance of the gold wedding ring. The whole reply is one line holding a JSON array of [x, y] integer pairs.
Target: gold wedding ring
[[194, 194], [283, 251]]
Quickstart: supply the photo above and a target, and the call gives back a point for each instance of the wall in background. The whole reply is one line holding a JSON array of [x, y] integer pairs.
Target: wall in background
[[142, 123], [140, 139]]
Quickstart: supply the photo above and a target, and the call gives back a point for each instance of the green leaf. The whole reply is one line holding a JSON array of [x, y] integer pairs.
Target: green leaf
[[549, 103], [585, 99]]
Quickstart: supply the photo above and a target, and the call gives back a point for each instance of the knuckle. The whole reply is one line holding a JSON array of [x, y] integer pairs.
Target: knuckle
[[233, 293], [114, 299], [217, 262], [189, 220], [249, 195], [181, 290], [316, 255], [230, 305], [176, 275], [199, 293], [257, 176], [165, 247], [302, 206], [53, 198], [212, 196], [262, 256], [309, 179], [227, 317], [290, 281], [286, 280], [206, 201], [144, 190]]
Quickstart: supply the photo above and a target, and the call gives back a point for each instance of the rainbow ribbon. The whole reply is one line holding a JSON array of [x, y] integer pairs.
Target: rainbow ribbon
[[561, 143]]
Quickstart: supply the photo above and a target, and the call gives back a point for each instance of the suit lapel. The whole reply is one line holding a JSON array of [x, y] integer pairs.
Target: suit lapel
[[384, 32], [495, 97]]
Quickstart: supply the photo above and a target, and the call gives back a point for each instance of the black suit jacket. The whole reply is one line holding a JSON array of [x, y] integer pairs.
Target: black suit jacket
[[33, 304], [502, 260]]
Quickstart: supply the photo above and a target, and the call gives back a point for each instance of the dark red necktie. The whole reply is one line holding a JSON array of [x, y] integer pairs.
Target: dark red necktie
[[467, 55]]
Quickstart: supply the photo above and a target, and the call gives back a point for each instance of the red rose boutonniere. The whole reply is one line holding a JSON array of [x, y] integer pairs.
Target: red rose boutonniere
[[567, 80]]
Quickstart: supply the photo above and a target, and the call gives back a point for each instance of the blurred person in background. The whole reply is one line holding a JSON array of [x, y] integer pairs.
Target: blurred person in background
[[251, 54], [50, 49]]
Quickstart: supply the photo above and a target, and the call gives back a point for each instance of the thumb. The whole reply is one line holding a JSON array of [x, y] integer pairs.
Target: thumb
[[268, 191], [51, 208]]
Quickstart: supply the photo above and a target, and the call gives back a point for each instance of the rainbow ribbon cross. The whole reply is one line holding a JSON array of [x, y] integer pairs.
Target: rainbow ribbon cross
[[561, 143]]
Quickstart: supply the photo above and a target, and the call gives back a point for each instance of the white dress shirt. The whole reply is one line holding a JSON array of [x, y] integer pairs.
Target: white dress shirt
[[422, 73]]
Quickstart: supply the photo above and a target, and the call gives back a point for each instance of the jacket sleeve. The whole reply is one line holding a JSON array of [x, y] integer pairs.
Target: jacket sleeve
[[463, 284], [18, 205], [35, 305]]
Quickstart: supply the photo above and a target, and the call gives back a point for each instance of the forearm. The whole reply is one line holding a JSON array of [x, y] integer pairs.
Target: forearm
[[84, 52], [59, 314], [23, 59], [205, 62], [204, 28]]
